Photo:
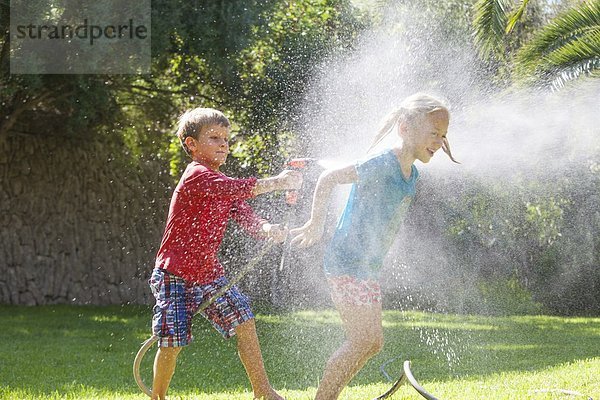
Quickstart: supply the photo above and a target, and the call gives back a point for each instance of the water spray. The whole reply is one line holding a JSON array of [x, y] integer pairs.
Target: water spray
[[293, 197]]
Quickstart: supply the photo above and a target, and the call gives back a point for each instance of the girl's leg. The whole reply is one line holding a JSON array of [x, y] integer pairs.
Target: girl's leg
[[251, 357], [164, 367], [364, 339]]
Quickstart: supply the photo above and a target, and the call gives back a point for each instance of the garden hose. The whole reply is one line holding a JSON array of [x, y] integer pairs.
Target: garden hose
[[406, 375], [394, 388], [413, 382], [154, 338], [138, 360]]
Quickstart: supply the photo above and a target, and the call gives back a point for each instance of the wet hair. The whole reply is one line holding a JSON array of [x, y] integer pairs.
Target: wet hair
[[411, 109], [192, 121]]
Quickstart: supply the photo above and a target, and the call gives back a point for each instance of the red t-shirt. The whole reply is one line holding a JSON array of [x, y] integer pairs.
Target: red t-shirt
[[201, 206]]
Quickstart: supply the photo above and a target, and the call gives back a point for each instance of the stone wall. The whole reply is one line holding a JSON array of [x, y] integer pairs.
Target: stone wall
[[78, 222]]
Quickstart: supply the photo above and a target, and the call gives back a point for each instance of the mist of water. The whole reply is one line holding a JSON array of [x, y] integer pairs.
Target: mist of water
[[500, 137]]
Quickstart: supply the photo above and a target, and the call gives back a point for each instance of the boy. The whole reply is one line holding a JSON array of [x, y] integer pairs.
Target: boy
[[187, 271]]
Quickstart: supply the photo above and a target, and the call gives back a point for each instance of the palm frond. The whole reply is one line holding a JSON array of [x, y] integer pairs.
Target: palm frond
[[579, 57], [516, 16], [490, 18], [589, 68], [585, 47], [562, 30]]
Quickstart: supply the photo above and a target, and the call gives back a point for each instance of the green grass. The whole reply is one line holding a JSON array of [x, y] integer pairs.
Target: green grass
[[68, 352]]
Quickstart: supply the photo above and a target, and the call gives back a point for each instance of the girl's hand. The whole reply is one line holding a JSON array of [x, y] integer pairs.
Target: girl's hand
[[275, 232], [306, 235]]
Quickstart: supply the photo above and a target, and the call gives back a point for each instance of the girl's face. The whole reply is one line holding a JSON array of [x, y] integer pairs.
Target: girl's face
[[425, 136], [212, 146]]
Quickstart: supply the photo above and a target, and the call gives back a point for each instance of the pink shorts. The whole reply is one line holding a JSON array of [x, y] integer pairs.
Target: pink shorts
[[348, 289]]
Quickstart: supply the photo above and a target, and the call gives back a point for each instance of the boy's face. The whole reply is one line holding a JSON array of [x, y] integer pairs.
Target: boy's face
[[212, 146]]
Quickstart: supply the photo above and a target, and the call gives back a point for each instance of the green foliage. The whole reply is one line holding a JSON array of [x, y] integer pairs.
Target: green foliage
[[542, 233], [490, 21], [507, 297], [547, 48], [251, 59], [61, 105], [447, 21], [501, 27], [544, 219], [278, 65], [566, 48], [516, 16]]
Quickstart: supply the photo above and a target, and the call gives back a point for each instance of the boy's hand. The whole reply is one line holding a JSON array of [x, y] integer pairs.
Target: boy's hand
[[289, 180], [306, 235], [275, 232]]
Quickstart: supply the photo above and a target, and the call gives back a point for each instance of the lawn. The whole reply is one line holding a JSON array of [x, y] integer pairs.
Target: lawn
[[69, 352]]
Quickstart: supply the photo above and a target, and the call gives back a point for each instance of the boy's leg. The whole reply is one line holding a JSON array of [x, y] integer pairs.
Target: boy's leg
[[164, 367], [364, 339], [171, 322], [251, 357]]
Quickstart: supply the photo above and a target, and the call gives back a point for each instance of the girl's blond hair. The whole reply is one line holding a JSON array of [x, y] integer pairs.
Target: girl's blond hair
[[412, 108]]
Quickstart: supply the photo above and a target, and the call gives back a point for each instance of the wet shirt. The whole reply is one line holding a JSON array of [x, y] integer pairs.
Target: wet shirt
[[202, 204], [376, 207]]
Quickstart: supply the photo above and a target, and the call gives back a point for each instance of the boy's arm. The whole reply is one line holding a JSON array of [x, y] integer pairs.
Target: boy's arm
[[312, 231], [211, 183], [256, 226], [245, 216], [286, 180]]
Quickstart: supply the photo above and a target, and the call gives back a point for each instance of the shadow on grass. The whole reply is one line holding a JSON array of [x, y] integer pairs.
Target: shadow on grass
[[56, 348]]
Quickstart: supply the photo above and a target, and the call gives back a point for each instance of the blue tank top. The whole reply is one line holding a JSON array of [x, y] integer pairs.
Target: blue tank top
[[376, 207]]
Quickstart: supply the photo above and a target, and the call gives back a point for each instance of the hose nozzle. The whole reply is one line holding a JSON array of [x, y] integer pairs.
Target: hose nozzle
[[297, 164]]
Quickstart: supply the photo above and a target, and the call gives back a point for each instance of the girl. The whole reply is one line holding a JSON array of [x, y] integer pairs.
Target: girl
[[383, 186]]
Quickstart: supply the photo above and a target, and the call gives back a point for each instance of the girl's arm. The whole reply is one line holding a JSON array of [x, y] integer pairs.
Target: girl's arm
[[312, 230]]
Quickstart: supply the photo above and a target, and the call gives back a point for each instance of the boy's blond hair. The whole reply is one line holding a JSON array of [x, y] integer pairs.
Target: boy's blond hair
[[412, 108], [192, 121]]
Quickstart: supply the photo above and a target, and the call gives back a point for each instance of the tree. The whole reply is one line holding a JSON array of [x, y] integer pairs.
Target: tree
[[99, 146], [250, 59], [552, 52], [566, 48]]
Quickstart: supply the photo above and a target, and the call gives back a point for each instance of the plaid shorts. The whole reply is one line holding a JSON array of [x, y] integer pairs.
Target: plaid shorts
[[178, 300], [352, 290]]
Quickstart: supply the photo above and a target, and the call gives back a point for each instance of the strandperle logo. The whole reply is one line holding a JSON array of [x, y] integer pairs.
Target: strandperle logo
[[83, 31], [81, 37]]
